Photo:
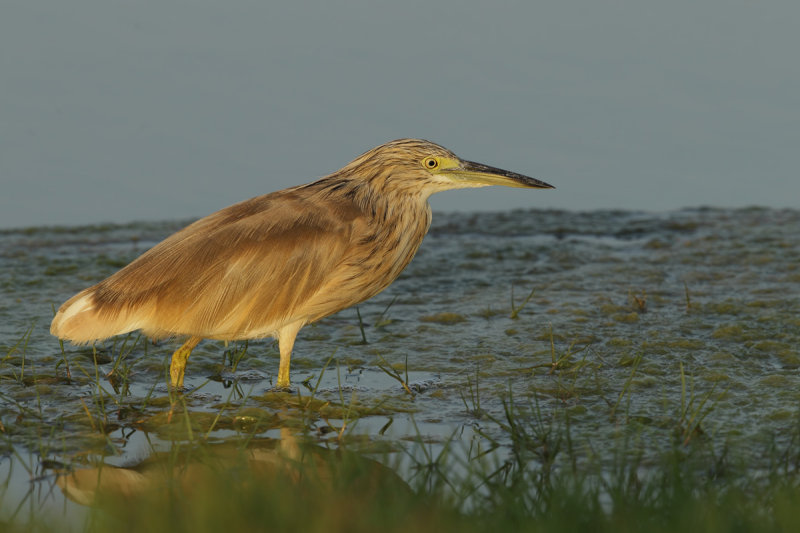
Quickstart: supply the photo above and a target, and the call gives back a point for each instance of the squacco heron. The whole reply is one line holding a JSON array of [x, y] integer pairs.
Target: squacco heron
[[268, 266]]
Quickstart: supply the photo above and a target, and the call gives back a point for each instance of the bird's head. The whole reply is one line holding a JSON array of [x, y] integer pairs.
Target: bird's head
[[419, 166]]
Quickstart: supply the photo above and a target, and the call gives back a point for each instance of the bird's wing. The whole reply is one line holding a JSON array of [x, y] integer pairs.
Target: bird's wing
[[241, 272]]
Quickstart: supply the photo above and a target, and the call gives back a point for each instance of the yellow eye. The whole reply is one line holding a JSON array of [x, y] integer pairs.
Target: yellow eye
[[430, 163]]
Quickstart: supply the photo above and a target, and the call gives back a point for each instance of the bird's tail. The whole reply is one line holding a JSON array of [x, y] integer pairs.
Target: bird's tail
[[81, 321]]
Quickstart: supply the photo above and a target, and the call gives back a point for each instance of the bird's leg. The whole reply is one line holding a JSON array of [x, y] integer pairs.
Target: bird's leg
[[286, 336], [179, 358]]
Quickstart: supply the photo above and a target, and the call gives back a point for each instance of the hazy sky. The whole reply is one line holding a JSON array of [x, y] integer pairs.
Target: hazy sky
[[117, 110]]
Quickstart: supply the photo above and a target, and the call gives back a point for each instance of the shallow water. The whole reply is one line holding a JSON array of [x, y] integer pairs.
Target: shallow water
[[628, 303]]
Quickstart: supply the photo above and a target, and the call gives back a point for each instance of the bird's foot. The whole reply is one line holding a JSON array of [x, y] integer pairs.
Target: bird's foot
[[283, 386]]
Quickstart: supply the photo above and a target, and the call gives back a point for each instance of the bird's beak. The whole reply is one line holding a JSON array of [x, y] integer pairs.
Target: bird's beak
[[478, 174]]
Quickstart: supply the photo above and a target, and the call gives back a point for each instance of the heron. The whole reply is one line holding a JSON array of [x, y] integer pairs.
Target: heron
[[268, 266]]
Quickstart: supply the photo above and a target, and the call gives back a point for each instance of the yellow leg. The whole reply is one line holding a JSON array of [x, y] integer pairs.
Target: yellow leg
[[286, 336], [179, 358]]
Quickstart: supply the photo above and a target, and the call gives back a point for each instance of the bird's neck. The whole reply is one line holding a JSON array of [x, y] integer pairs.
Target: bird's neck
[[392, 203], [397, 206]]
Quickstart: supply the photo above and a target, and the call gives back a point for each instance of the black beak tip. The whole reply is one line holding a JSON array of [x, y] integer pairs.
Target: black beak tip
[[539, 184]]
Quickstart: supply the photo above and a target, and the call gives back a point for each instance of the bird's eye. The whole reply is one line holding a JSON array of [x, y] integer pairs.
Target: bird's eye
[[430, 163]]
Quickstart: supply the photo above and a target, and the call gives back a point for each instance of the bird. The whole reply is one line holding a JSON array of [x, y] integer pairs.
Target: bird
[[267, 266]]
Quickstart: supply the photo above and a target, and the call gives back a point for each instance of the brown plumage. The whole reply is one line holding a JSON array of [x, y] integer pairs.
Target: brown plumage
[[268, 266]]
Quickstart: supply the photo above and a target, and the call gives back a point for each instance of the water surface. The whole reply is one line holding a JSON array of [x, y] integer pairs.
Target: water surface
[[627, 321]]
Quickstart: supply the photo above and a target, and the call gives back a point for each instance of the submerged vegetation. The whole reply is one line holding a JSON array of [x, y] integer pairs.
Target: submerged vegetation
[[617, 371], [290, 464]]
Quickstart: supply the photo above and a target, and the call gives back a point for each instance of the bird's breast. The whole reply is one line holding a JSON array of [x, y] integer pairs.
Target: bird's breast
[[381, 248]]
